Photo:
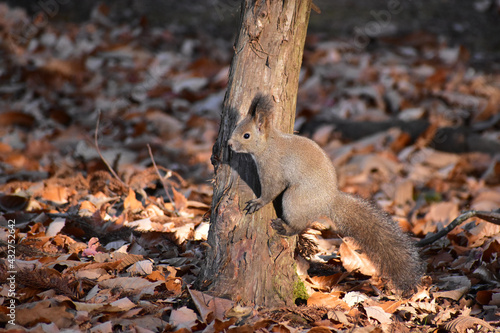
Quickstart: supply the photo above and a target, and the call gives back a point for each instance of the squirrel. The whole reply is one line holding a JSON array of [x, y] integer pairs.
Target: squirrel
[[300, 170]]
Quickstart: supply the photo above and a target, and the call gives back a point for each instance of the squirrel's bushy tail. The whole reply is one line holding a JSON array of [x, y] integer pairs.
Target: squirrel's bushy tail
[[392, 252]]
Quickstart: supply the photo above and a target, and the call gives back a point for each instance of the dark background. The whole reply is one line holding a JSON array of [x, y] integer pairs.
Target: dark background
[[473, 24]]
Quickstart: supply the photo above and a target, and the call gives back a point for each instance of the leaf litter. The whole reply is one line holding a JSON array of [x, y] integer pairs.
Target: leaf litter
[[416, 131]]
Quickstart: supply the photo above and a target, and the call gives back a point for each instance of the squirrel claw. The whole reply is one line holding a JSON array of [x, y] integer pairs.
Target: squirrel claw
[[279, 226], [253, 205]]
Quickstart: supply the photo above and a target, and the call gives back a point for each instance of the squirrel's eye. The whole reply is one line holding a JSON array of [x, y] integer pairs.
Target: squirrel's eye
[[246, 136]]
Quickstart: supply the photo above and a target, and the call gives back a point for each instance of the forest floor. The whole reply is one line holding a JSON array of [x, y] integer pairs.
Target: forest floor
[[94, 237]]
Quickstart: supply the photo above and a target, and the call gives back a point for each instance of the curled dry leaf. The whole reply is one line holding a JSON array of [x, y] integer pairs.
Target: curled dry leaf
[[338, 316], [55, 193], [174, 285], [211, 307], [452, 294], [486, 200], [328, 300], [87, 208], [131, 284], [426, 307], [390, 306], [106, 327], [354, 297], [59, 313], [442, 212], [463, 324], [131, 203], [55, 226], [144, 267], [123, 304], [223, 325], [13, 202], [125, 259], [325, 283], [183, 318], [180, 200], [482, 232], [352, 260], [143, 225], [156, 276], [452, 282], [377, 313]]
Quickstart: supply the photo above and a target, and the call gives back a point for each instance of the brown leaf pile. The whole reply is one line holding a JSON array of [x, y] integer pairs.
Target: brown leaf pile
[[413, 127]]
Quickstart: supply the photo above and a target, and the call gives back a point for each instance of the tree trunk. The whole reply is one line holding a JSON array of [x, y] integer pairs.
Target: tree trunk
[[247, 261]]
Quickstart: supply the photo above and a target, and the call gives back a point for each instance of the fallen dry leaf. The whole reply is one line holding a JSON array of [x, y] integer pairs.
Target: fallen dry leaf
[[59, 313], [131, 202], [210, 307], [377, 313], [352, 260], [183, 318], [464, 324]]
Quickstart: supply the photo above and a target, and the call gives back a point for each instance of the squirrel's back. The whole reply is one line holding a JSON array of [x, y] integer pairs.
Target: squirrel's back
[[307, 164]]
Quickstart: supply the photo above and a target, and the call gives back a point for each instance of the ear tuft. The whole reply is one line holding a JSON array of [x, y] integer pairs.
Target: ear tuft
[[262, 105]]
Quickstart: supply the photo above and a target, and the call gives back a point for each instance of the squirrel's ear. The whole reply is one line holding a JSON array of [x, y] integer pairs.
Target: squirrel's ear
[[261, 110], [263, 122]]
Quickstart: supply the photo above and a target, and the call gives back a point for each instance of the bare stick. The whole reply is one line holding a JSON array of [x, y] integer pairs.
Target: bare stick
[[161, 179], [96, 142], [492, 217]]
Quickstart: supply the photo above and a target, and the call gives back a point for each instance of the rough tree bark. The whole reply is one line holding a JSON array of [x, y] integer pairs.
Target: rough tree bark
[[247, 261]]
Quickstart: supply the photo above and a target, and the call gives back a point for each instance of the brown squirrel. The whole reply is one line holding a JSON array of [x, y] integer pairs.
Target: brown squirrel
[[299, 169]]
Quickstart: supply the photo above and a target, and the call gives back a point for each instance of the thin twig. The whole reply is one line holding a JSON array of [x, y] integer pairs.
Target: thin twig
[[492, 217], [315, 8], [161, 179], [96, 142]]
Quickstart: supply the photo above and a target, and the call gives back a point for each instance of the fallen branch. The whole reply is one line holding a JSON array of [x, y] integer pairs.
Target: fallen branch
[[492, 217]]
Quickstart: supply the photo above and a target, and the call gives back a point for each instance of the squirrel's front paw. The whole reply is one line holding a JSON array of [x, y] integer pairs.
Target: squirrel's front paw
[[253, 205]]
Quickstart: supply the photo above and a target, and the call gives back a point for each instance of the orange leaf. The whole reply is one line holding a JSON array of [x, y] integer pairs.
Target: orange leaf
[[322, 299], [87, 207], [390, 306], [156, 276], [352, 260], [131, 203], [326, 282], [180, 200], [174, 285], [55, 193]]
